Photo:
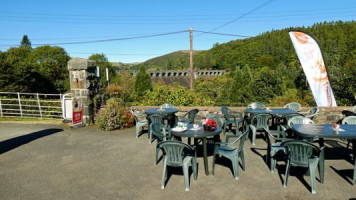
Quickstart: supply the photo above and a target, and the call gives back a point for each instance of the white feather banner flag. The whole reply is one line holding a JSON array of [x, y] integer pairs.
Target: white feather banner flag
[[311, 59]]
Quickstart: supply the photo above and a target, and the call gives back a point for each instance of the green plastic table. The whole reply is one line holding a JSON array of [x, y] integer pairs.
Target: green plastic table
[[199, 134], [322, 131]]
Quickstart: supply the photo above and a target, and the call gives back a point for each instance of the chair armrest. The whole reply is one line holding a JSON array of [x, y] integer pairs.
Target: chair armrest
[[236, 113], [305, 113], [232, 136], [181, 117]]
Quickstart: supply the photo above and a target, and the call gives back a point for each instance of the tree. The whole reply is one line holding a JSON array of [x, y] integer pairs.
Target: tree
[[25, 42], [51, 64], [143, 81], [103, 62]]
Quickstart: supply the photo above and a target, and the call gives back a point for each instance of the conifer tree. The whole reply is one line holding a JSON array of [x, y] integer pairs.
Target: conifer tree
[[143, 81]]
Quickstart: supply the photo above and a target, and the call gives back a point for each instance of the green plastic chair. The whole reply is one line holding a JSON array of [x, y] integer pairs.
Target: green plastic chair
[[259, 122], [140, 120], [256, 105], [349, 120], [155, 118], [282, 121], [294, 106], [189, 116], [311, 113], [228, 150], [299, 120], [231, 118], [274, 149], [178, 154], [307, 155], [161, 132], [347, 113]]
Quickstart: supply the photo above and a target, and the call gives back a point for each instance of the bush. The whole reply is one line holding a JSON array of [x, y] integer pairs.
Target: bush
[[114, 90], [114, 116], [176, 95]]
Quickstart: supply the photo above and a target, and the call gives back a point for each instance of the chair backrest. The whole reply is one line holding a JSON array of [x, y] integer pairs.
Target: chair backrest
[[156, 118], [160, 131], [349, 120], [354, 109], [191, 115], [294, 106], [261, 120], [299, 120], [167, 105], [219, 121], [348, 113], [313, 112], [256, 105], [300, 151], [137, 115], [242, 139], [175, 152], [225, 112], [285, 118]]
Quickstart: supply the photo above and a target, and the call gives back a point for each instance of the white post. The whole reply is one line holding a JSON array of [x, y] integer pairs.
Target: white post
[[39, 105], [18, 97], [107, 76], [1, 109]]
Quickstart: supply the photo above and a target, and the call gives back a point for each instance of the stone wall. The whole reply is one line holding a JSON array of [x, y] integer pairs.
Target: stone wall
[[327, 115]]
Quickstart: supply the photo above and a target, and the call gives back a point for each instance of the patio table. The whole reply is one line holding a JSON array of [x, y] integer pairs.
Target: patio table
[[168, 112], [198, 134], [322, 131], [275, 112]]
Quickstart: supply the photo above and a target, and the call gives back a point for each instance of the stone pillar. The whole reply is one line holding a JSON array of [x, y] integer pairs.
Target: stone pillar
[[83, 85]]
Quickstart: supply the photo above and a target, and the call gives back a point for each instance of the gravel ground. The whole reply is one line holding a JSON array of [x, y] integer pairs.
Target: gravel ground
[[51, 161]]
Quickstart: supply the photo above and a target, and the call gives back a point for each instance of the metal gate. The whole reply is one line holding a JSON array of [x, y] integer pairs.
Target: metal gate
[[31, 105]]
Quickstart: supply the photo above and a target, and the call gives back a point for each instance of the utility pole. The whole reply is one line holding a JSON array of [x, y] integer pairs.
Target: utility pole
[[191, 60]]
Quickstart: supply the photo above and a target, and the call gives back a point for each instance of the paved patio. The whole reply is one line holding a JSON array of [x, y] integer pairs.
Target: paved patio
[[56, 162]]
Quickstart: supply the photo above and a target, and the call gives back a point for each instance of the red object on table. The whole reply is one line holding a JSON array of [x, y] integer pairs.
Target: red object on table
[[210, 125]]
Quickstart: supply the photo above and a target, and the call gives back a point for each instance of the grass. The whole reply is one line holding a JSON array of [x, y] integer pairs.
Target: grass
[[19, 119]]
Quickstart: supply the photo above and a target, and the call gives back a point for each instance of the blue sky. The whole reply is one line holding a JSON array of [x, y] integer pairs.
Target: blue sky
[[129, 25]]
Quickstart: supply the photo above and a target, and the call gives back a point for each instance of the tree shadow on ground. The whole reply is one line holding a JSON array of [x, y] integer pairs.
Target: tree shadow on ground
[[13, 143]]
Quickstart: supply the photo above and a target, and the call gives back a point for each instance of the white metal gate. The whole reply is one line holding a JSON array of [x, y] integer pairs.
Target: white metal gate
[[31, 105]]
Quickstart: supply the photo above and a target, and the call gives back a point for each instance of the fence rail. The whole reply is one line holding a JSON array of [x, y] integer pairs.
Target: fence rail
[[31, 105]]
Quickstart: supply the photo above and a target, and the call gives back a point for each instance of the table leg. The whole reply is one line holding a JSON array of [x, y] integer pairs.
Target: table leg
[[205, 154]]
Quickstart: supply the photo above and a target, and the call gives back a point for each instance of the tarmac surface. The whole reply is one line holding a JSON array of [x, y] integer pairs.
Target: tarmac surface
[[56, 162]]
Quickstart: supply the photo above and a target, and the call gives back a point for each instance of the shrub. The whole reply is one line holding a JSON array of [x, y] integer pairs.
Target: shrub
[[178, 96], [114, 116], [114, 90]]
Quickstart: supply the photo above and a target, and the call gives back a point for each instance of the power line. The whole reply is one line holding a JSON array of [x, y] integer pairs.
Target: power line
[[225, 34], [113, 39], [130, 38], [244, 15]]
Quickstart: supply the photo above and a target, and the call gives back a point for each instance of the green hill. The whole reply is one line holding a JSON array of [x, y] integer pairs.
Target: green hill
[[266, 68], [177, 60], [270, 49]]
